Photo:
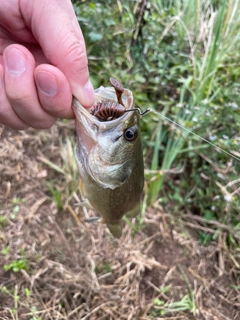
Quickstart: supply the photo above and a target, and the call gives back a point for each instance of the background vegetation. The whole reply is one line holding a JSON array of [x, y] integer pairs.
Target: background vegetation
[[181, 258], [180, 58]]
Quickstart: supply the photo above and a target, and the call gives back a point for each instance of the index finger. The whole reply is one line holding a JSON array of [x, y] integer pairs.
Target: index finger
[[55, 27]]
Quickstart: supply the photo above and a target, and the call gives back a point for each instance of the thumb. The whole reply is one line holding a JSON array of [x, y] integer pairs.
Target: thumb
[[56, 29]]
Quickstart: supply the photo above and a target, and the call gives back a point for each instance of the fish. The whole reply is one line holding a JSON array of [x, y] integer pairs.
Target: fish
[[110, 158]]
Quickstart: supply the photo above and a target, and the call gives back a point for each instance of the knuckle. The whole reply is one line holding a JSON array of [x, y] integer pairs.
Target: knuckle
[[76, 54], [18, 97], [9, 119], [13, 123], [44, 124]]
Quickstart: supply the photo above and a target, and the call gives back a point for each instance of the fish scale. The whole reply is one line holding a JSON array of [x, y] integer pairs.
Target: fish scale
[[110, 159]]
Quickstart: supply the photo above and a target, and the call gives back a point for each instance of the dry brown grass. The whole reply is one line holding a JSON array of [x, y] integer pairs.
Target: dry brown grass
[[78, 271]]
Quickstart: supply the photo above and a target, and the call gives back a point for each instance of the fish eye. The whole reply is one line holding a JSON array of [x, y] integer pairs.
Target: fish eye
[[130, 134]]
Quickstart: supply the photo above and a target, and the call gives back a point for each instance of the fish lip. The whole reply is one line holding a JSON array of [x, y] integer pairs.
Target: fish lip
[[102, 125], [102, 94], [118, 137]]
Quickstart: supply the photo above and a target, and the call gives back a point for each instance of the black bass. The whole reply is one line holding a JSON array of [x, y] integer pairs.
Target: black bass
[[109, 155]]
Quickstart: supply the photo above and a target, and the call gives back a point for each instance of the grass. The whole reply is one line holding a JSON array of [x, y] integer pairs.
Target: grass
[[74, 270], [180, 259], [177, 58], [69, 174], [14, 294], [185, 304], [182, 60], [207, 53], [16, 266]]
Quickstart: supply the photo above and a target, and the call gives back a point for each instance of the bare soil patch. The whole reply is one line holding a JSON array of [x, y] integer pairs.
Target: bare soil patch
[[74, 270]]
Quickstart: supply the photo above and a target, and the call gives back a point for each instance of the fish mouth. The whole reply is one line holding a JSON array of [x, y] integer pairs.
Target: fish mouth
[[103, 94], [89, 128], [117, 138]]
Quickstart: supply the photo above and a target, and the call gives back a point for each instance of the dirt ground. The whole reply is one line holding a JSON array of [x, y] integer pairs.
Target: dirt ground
[[54, 266]]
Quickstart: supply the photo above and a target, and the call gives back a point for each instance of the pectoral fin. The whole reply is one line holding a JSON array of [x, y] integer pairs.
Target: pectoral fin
[[92, 220], [134, 212], [84, 203]]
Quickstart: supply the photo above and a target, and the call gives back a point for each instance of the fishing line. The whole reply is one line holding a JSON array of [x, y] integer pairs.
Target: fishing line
[[196, 135]]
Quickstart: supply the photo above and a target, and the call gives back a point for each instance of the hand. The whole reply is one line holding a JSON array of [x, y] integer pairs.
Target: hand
[[43, 62]]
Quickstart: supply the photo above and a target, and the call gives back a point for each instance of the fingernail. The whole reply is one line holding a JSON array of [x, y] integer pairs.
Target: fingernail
[[89, 93], [15, 61], [47, 83]]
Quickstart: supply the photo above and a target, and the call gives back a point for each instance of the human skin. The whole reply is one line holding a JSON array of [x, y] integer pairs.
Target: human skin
[[43, 62]]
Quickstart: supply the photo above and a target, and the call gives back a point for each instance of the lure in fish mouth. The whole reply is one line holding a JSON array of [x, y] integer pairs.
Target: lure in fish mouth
[[108, 109], [109, 155]]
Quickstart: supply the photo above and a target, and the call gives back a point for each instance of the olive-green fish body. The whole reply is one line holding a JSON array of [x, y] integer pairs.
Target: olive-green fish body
[[110, 161]]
